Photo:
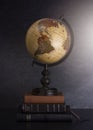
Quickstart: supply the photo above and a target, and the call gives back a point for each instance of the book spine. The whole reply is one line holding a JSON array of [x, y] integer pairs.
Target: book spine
[[44, 108], [43, 117]]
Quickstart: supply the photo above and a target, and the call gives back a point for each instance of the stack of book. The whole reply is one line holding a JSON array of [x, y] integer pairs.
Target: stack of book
[[44, 108]]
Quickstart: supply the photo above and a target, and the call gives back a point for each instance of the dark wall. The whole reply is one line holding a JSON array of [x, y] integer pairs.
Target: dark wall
[[74, 76]]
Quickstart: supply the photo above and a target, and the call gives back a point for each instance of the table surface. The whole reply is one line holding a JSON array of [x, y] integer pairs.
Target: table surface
[[8, 121]]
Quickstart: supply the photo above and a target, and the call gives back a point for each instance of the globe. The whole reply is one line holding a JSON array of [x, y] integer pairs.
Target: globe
[[48, 40]]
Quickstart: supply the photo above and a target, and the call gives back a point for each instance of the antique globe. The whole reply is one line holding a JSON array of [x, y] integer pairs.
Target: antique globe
[[48, 41]]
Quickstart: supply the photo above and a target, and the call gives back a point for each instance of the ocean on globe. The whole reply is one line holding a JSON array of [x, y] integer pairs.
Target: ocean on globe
[[48, 40]]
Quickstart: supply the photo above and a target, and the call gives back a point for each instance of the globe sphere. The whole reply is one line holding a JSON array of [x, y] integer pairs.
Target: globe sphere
[[48, 40]]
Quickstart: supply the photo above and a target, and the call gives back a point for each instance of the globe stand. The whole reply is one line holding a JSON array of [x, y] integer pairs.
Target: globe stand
[[45, 81]]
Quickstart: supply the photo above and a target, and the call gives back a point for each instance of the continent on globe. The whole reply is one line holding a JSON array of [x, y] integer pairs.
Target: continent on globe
[[66, 44], [46, 23], [44, 45]]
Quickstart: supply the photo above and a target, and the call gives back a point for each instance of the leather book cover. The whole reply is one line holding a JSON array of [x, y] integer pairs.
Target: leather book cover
[[43, 117], [43, 99]]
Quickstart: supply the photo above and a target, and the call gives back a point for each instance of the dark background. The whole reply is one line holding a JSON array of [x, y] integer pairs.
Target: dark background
[[74, 76]]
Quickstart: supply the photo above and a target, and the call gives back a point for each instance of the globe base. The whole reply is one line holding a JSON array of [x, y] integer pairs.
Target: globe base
[[45, 91]]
